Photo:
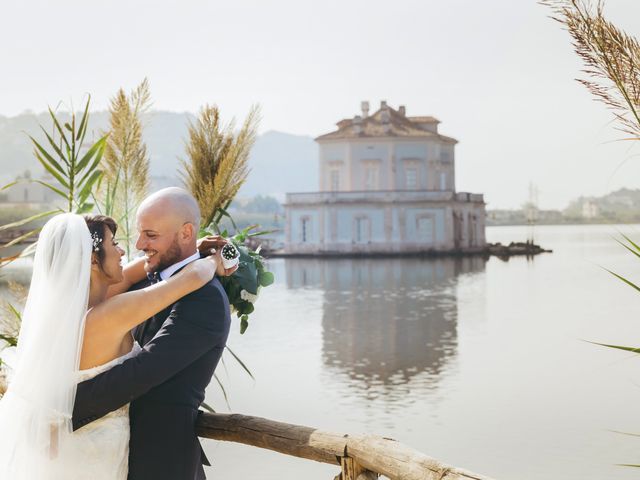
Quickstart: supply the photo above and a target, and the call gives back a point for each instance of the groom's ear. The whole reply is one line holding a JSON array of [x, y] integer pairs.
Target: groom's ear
[[188, 232]]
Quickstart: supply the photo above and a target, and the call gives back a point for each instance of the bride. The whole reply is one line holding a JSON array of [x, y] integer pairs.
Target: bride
[[76, 324]]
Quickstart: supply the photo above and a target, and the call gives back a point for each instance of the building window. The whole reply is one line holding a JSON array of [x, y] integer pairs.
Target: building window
[[371, 178], [424, 229], [411, 178], [361, 230], [305, 229], [334, 180], [443, 180]]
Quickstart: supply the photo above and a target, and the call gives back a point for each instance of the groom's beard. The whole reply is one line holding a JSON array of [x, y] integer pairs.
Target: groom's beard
[[168, 258]]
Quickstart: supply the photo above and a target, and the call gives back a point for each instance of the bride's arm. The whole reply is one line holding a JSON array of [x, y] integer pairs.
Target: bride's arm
[[133, 272], [117, 315]]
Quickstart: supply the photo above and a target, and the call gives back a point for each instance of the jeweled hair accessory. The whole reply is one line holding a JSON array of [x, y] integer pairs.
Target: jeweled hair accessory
[[96, 240]]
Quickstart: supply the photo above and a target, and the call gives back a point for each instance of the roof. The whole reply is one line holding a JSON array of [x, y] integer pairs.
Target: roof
[[387, 122]]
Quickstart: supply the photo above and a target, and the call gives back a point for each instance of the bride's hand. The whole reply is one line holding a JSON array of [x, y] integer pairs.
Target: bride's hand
[[203, 269], [206, 245]]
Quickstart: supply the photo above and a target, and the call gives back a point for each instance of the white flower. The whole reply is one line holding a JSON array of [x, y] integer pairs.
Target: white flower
[[249, 297]]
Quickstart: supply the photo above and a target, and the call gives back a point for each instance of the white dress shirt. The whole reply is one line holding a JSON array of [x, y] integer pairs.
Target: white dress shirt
[[167, 272]]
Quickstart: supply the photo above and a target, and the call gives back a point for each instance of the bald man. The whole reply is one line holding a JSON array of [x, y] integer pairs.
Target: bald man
[[165, 383]]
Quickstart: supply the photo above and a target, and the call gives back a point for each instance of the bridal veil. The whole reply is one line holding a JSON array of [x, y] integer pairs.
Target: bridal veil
[[35, 413]]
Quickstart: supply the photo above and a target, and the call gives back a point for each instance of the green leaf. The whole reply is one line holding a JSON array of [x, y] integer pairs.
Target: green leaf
[[95, 148], [240, 362], [243, 324], [628, 282], [636, 253], [86, 189], [15, 312], [86, 207], [63, 137], [207, 408], [618, 347], [266, 279], [224, 392], [24, 221], [8, 185], [55, 147], [50, 169], [226, 214], [21, 238], [12, 341], [263, 232], [84, 123], [64, 195]]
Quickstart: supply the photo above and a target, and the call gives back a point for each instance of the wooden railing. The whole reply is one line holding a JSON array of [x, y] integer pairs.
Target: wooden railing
[[359, 457]]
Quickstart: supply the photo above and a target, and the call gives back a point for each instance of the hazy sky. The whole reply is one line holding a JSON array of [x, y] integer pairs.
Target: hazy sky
[[497, 73]]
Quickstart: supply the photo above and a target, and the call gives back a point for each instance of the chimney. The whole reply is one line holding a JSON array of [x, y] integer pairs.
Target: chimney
[[402, 110], [357, 124], [365, 109], [385, 118], [383, 105]]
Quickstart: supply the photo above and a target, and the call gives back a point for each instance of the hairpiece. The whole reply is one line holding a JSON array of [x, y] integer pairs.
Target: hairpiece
[[96, 240]]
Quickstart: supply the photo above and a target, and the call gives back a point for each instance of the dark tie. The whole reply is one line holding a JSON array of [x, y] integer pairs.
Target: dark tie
[[153, 277]]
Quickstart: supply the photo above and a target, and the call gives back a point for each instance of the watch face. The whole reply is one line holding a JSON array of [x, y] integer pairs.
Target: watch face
[[229, 252]]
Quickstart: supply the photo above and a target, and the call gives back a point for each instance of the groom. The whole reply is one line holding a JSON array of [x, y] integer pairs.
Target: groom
[[182, 345]]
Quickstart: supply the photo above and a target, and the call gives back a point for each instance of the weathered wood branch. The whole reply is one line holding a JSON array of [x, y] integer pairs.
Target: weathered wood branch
[[376, 454]]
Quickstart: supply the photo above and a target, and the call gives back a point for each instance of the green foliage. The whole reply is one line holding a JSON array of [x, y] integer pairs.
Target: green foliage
[[244, 285], [75, 169]]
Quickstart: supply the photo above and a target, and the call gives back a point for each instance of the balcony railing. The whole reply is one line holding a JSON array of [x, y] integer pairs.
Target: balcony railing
[[383, 196]]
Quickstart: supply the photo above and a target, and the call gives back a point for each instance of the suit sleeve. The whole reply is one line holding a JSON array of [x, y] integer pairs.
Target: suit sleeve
[[194, 326]]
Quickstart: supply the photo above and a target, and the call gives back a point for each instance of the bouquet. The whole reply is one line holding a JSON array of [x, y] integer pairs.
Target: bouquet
[[244, 285]]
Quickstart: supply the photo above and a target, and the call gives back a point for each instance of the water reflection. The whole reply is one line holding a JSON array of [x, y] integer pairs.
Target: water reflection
[[386, 323]]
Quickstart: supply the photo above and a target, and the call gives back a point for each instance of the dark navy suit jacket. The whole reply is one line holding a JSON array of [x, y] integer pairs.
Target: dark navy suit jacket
[[165, 384]]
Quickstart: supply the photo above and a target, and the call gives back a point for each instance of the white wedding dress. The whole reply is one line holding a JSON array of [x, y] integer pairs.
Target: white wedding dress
[[36, 437], [102, 447]]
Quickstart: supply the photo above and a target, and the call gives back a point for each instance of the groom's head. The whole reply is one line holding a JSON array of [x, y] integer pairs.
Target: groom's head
[[167, 223]]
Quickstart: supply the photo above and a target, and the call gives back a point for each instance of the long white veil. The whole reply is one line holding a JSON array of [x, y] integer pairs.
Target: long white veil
[[35, 412]]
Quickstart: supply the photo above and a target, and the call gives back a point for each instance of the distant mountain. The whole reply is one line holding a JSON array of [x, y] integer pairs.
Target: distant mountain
[[620, 206], [279, 162]]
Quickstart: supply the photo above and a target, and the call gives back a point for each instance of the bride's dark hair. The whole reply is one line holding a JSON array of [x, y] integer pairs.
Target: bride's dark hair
[[98, 225]]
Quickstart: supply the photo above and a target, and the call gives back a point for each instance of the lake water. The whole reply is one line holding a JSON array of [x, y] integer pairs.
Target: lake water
[[482, 364]]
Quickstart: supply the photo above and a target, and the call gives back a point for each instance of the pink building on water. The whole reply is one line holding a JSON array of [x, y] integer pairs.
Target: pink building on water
[[387, 185]]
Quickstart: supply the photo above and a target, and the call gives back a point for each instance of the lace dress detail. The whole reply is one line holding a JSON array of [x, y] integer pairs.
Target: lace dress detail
[[102, 447]]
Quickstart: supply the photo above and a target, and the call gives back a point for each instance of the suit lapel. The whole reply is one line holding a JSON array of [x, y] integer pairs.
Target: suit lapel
[[148, 329]]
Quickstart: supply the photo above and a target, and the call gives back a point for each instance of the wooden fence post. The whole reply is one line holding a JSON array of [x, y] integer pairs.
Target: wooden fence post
[[352, 470]]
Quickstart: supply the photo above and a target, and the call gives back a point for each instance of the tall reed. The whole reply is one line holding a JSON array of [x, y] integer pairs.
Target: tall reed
[[218, 161], [125, 161]]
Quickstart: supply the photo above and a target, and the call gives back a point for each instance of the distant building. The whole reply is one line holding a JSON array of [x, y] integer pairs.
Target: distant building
[[29, 191], [589, 209], [387, 185]]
